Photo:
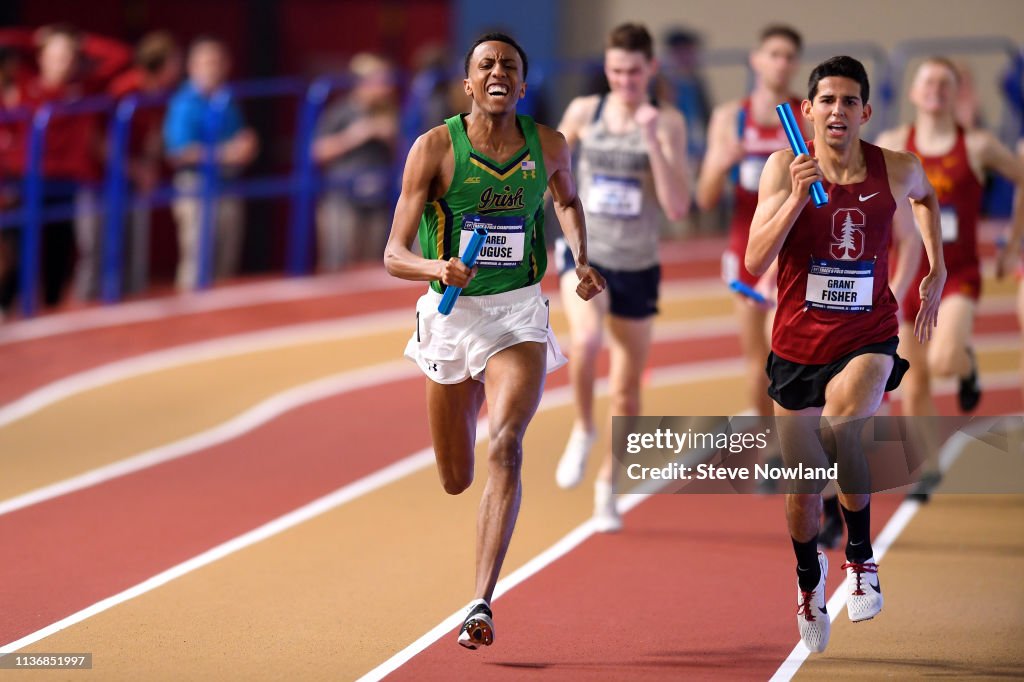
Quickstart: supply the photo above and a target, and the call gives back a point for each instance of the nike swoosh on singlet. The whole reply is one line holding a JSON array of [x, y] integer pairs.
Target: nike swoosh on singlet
[[865, 198]]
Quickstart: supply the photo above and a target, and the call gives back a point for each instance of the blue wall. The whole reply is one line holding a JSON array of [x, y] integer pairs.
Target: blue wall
[[533, 23]]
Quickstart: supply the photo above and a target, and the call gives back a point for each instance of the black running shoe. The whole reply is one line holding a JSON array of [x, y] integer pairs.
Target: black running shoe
[[831, 533], [927, 484], [970, 389], [478, 628]]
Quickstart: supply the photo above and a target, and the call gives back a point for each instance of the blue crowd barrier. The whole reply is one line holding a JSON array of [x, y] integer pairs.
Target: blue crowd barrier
[[304, 182]]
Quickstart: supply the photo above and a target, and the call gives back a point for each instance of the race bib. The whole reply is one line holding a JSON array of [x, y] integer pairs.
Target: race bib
[[750, 172], [950, 225], [616, 197], [506, 240], [841, 285]]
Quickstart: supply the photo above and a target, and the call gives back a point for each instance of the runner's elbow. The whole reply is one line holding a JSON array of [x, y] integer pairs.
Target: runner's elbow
[[390, 261], [755, 265]]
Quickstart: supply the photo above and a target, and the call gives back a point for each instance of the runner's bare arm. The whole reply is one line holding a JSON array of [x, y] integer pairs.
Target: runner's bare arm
[[569, 209], [422, 171], [908, 250], [575, 118], [664, 132], [907, 179], [996, 156], [781, 196], [724, 152]]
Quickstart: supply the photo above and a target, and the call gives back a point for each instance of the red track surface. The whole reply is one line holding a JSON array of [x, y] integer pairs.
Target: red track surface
[[120, 532], [628, 607], [563, 620]]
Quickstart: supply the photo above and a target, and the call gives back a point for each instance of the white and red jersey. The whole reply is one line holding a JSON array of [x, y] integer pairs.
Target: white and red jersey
[[834, 294]]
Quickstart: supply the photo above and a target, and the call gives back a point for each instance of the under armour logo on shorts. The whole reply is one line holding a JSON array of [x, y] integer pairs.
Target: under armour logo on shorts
[[432, 366]]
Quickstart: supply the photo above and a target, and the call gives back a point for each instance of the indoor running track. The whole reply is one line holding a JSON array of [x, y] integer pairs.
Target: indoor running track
[[239, 485]]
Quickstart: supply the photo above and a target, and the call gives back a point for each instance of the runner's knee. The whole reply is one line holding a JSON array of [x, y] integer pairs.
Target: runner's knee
[[456, 476], [585, 344], [942, 360], [456, 482], [506, 452], [625, 400]]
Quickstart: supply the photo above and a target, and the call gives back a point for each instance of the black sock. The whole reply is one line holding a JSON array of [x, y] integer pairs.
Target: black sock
[[858, 537], [808, 571], [831, 507]]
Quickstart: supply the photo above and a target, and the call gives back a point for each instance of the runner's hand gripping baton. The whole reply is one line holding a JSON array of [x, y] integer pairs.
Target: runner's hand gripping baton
[[796, 141], [751, 293], [451, 294]]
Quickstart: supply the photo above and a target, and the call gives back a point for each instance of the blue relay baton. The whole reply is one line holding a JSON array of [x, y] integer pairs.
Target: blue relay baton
[[751, 293], [796, 141], [451, 294]]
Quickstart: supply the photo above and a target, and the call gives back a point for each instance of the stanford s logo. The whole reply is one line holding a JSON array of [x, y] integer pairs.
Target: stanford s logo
[[848, 234]]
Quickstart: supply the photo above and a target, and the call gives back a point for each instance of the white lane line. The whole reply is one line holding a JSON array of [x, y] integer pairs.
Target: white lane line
[[238, 344], [566, 544], [383, 477], [202, 351], [949, 453], [331, 330], [252, 418], [554, 398], [232, 296], [252, 294]]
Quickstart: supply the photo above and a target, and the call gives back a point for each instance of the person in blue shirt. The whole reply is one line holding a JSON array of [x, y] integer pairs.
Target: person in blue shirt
[[184, 136]]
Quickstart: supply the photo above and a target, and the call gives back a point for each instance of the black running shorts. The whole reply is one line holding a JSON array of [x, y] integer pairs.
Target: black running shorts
[[633, 293], [795, 386]]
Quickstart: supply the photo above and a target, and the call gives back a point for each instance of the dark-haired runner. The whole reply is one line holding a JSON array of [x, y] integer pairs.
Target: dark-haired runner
[[834, 338]]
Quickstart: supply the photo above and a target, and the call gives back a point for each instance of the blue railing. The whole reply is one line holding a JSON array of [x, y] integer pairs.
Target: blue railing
[[34, 186], [303, 183]]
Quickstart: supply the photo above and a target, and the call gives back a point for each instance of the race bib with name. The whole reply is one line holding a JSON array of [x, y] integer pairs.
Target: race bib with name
[[950, 225], [616, 197], [750, 172], [506, 240], [840, 285]]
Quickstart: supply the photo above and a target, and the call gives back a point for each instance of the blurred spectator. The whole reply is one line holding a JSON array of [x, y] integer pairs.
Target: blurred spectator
[[157, 70], [71, 65], [686, 87], [355, 143], [429, 104], [184, 135], [9, 69]]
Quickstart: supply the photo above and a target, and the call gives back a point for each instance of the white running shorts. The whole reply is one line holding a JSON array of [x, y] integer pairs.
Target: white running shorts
[[455, 347]]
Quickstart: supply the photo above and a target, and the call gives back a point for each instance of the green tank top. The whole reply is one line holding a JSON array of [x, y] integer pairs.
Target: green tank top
[[507, 198]]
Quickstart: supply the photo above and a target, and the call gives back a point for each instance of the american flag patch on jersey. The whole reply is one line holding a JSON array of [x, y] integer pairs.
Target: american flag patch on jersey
[[529, 165]]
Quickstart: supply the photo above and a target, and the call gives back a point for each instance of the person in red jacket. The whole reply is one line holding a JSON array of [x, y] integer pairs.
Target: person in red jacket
[[834, 339], [10, 68], [71, 66]]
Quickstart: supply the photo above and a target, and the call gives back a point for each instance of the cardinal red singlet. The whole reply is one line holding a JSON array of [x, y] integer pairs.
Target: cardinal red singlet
[[834, 294], [960, 195]]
